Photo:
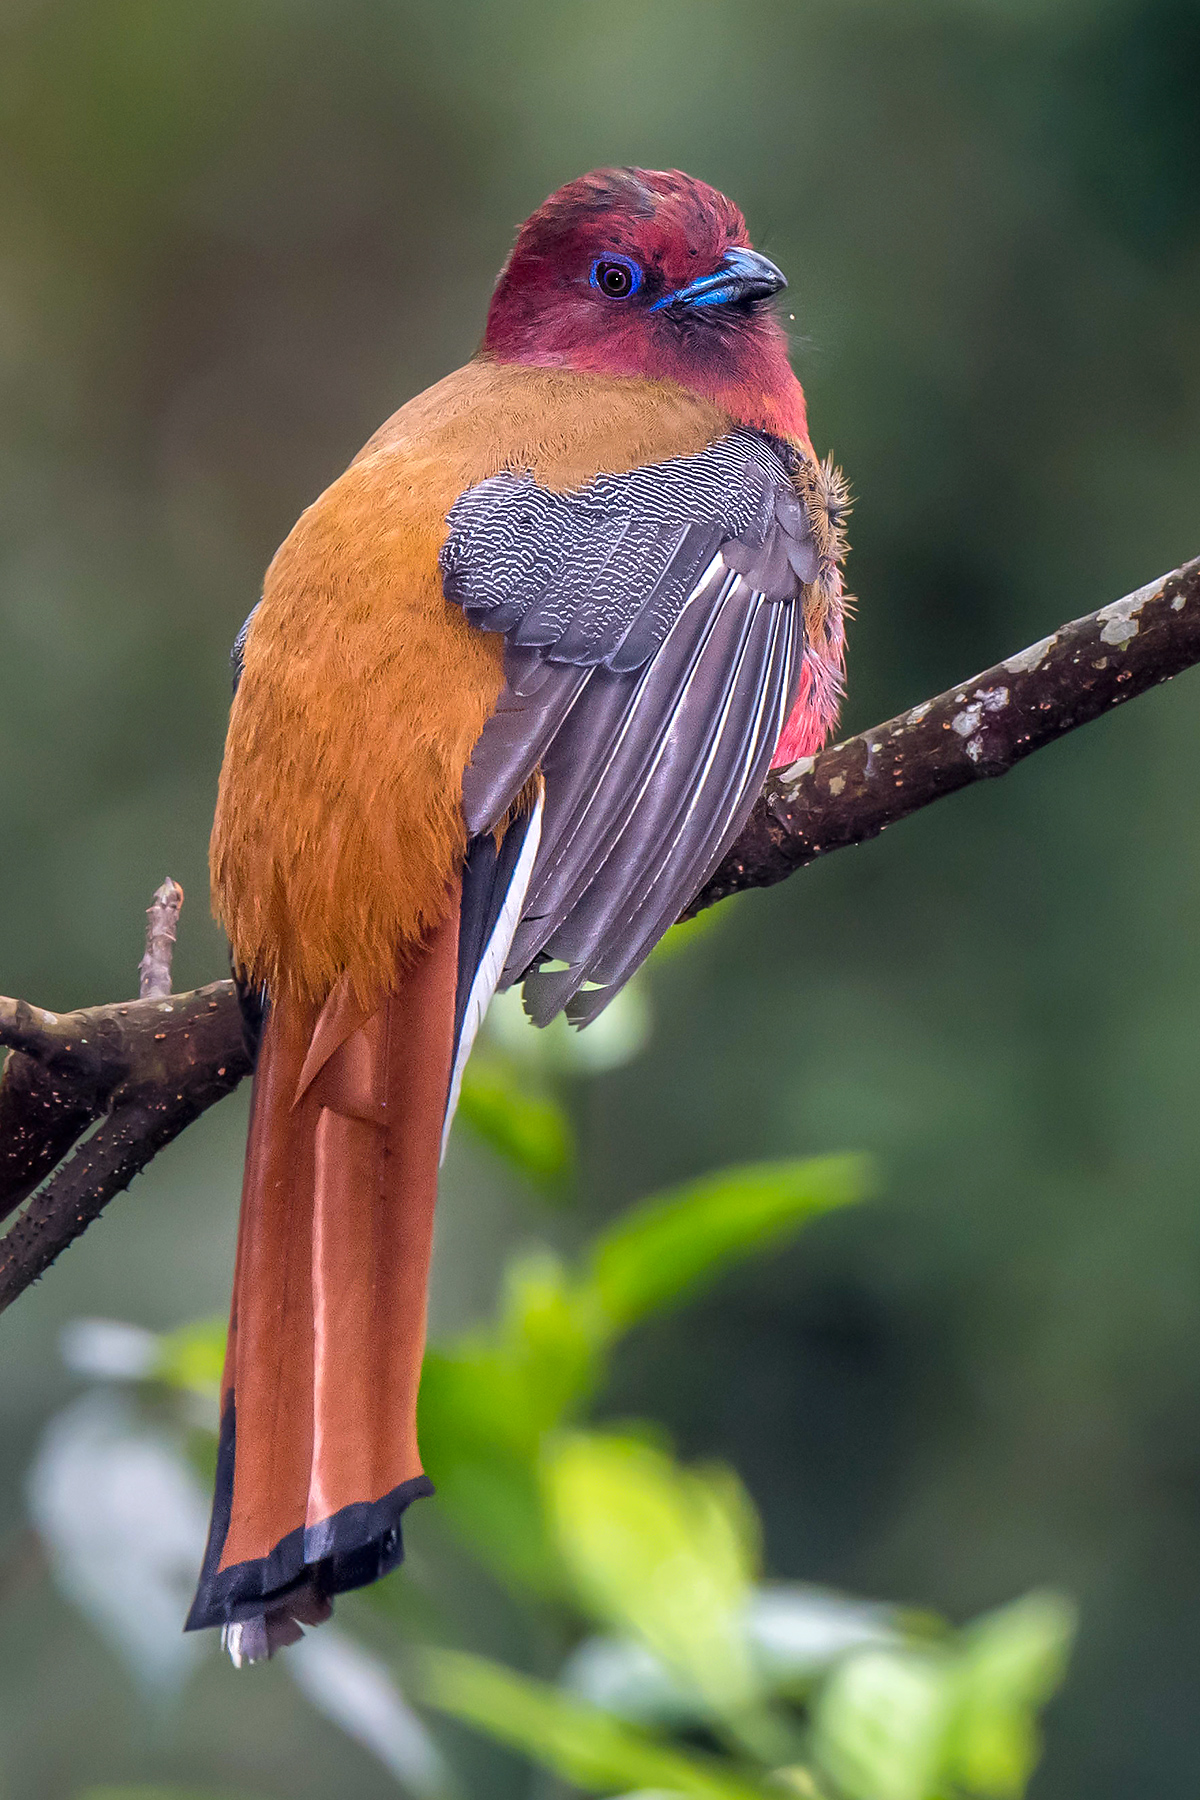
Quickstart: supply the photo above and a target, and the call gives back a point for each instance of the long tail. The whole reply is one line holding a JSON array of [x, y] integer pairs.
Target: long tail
[[318, 1453], [318, 1456]]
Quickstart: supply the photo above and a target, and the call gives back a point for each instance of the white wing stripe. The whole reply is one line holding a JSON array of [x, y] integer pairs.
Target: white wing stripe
[[491, 963]]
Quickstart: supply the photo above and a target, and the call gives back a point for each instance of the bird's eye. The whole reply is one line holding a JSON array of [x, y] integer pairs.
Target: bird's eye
[[616, 277]]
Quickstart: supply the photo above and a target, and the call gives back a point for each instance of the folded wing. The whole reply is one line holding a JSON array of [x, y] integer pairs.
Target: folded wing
[[654, 642]]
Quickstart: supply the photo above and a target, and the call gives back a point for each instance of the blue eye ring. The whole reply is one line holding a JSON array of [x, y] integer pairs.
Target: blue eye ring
[[616, 277]]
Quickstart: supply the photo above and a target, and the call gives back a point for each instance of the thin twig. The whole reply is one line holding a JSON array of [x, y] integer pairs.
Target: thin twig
[[162, 923]]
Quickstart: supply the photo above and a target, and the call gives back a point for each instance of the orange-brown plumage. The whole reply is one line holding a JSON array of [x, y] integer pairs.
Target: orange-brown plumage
[[339, 819]]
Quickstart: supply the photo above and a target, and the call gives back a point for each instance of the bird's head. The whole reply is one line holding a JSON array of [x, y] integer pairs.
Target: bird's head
[[649, 273]]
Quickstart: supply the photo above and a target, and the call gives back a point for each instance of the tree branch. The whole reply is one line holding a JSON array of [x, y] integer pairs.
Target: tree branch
[[978, 729], [146, 1068]]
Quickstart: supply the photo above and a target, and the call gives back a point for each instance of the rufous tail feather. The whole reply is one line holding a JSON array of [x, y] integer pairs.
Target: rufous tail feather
[[318, 1452]]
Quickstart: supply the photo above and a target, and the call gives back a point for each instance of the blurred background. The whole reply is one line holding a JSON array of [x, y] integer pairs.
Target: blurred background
[[233, 238]]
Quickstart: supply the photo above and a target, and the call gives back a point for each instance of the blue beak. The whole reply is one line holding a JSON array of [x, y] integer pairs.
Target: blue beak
[[740, 275]]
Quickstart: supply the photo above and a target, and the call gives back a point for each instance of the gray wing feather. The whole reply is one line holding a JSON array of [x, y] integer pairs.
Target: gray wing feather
[[696, 853], [537, 700], [617, 764], [677, 832], [237, 656], [654, 830], [653, 650]]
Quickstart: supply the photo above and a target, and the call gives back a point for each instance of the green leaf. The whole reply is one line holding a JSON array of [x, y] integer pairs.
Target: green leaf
[[489, 1398], [662, 1553], [486, 1403], [575, 1740], [1011, 1662], [667, 1246], [879, 1725], [524, 1126], [192, 1358], [551, 1331], [485, 1475], [511, 1385], [912, 1724]]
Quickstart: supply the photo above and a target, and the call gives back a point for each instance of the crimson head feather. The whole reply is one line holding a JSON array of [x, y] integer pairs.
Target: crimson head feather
[[649, 273]]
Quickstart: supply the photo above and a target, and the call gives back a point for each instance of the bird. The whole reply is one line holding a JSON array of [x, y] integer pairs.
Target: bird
[[512, 687]]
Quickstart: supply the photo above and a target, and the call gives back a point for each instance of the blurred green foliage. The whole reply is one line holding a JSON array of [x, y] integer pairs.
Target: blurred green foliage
[[606, 1530], [489, 1397], [497, 1104], [234, 237], [664, 1555], [667, 1557], [591, 1748], [955, 1716], [192, 1357], [901, 1723]]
